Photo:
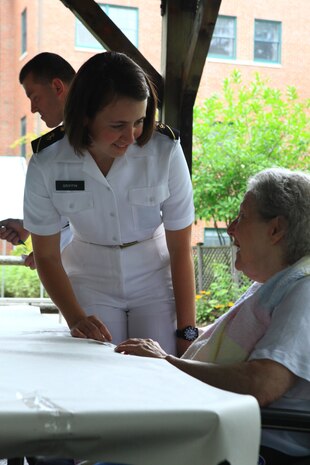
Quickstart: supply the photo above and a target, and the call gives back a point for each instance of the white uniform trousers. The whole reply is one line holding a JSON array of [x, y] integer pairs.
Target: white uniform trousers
[[128, 289]]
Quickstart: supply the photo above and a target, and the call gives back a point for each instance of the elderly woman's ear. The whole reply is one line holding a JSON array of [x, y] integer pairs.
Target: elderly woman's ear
[[278, 228]]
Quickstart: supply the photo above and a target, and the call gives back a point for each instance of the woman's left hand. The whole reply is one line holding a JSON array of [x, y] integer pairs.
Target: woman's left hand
[[29, 261], [141, 347]]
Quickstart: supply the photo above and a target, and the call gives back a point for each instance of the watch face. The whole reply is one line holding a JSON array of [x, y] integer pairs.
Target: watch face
[[190, 333]]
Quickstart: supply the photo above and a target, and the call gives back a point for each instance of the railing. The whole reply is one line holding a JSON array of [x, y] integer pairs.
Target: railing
[[204, 258], [10, 260]]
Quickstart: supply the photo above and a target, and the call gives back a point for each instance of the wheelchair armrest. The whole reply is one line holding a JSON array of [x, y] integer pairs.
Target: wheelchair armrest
[[286, 419]]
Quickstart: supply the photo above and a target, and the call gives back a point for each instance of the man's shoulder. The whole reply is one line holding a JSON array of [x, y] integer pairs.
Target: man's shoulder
[[47, 139]]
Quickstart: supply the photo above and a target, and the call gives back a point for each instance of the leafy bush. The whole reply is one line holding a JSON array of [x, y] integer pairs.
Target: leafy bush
[[20, 281], [222, 294]]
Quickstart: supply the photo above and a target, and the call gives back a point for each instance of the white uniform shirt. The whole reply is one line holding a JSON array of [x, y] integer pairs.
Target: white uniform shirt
[[145, 187]]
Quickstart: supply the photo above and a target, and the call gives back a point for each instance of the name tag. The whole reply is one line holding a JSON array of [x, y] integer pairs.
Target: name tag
[[70, 185]]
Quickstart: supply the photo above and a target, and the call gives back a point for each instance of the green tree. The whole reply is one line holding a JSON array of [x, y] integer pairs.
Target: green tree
[[240, 132]]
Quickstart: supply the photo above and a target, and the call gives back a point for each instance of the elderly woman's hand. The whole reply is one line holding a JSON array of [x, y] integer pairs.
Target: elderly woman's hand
[[141, 347]]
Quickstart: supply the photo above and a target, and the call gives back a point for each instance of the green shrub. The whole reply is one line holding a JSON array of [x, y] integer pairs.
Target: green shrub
[[222, 294], [20, 281]]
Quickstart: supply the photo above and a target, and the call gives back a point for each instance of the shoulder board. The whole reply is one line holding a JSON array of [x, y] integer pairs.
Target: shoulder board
[[47, 139], [167, 131]]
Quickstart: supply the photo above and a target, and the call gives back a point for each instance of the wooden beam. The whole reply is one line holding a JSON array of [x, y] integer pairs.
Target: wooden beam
[[110, 36], [178, 16], [202, 31], [187, 32]]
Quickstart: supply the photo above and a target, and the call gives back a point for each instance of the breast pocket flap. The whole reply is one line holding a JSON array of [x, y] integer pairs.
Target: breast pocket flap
[[73, 202], [148, 196]]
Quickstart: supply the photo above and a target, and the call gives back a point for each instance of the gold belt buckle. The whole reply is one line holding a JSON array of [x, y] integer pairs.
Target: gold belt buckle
[[128, 244]]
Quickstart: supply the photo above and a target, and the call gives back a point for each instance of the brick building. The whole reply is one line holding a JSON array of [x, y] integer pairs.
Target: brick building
[[271, 38]]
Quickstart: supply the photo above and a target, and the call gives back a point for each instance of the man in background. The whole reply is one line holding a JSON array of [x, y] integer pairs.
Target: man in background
[[46, 79]]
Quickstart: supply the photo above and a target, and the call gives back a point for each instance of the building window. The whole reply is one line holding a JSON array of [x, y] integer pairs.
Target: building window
[[23, 132], [216, 237], [24, 31], [223, 43], [267, 41], [125, 18]]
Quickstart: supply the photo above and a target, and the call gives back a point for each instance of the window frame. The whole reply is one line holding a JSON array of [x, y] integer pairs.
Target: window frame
[[106, 8], [278, 42], [24, 31], [234, 38]]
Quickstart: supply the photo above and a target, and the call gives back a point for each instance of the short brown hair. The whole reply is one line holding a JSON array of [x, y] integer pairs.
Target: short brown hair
[[47, 66], [98, 82]]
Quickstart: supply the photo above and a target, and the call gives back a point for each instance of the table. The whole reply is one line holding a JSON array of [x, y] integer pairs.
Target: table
[[78, 398]]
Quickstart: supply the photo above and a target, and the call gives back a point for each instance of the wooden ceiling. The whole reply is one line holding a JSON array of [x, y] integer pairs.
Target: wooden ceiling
[[187, 27]]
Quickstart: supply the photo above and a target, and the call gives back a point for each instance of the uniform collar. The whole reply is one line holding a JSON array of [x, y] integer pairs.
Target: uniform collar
[[65, 153]]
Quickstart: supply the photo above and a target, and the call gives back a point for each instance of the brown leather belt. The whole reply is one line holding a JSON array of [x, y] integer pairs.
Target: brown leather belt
[[128, 244], [119, 246]]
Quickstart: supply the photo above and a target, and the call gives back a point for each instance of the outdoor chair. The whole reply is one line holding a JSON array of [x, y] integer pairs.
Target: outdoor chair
[[291, 420], [286, 419]]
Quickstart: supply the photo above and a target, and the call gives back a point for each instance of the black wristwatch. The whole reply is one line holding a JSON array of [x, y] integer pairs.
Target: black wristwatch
[[189, 333]]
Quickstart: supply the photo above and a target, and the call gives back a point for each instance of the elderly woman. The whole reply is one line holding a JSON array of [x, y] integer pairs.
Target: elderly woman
[[261, 346]]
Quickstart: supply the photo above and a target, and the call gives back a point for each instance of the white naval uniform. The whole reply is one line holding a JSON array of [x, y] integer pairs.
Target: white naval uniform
[[146, 190]]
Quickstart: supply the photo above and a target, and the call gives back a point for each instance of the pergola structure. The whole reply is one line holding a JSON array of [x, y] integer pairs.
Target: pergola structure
[[187, 28]]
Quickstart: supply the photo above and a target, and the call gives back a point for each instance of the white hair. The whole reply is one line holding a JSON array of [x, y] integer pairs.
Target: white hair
[[286, 193]]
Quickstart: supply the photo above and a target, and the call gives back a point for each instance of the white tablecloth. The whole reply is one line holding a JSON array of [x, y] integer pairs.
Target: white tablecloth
[[78, 398]]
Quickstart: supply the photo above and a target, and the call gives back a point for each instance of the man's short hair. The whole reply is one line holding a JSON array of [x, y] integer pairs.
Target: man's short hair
[[47, 66]]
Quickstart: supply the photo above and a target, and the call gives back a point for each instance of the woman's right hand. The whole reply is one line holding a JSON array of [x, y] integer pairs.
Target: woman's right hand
[[90, 327]]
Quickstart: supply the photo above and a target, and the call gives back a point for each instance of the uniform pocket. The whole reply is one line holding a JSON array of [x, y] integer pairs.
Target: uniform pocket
[[146, 205], [72, 202], [149, 196]]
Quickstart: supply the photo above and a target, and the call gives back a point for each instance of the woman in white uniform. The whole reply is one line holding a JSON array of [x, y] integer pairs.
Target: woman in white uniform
[[126, 190]]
